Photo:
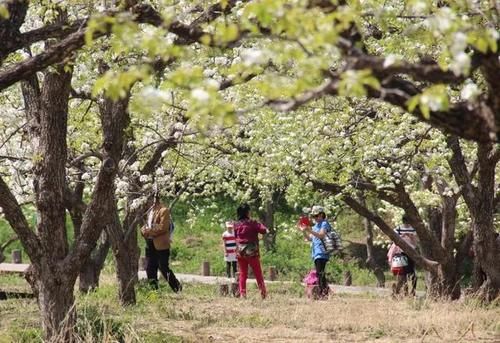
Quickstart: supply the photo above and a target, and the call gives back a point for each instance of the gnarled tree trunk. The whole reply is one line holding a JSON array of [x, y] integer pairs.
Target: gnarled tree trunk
[[91, 269]]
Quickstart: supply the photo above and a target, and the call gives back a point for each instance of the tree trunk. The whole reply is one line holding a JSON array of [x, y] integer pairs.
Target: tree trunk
[[444, 282], [127, 265], [268, 220], [486, 242], [126, 253], [91, 270], [480, 202], [370, 260], [57, 308]]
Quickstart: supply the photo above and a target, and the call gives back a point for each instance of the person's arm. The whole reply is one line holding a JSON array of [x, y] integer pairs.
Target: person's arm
[[262, 228], [320, 234], [163, 226], [307, 235], [390, 253], [145, 231], [223, 245]]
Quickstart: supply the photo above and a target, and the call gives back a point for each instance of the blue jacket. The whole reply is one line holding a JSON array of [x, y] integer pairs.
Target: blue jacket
[[317, 247]]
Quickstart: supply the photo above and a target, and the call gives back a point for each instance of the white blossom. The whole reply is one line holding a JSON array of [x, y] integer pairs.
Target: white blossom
[[122, 186], [459, 43], [135, 166], [432, 102], [419, 7], [211, 83], [86, 176], [144, 178], [460, 63], [160, 171], [252, 57], [209, 72], [179, 126], [220, 60], [470, 92], [390, 60], [200, 95]]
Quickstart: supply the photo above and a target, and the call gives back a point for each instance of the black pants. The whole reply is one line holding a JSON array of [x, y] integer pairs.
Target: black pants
[[409, 276], [320, 265], [232, 264], [158, 259]]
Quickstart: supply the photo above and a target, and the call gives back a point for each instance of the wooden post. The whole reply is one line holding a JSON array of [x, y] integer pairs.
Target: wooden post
[[347, 278], [205, 268], [17, 256], [235, 289], [273, 273], [223, 289]]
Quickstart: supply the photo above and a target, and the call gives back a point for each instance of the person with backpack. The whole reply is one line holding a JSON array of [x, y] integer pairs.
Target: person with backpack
[[402, 266], [247, 231], [317, 234], [229, 244], [158, 239]]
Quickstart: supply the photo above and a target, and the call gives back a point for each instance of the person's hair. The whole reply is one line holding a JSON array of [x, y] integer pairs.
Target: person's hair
[[243, 212], [405, 219], [323, 215]]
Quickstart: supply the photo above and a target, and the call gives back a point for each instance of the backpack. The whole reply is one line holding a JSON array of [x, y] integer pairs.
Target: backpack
[[332, 242]]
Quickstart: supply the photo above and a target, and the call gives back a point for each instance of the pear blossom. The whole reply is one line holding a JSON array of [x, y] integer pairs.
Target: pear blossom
[[253, 57], [470, 91], [200, 95]]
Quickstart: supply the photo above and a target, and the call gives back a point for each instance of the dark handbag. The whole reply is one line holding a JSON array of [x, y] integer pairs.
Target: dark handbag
[[250, 249]]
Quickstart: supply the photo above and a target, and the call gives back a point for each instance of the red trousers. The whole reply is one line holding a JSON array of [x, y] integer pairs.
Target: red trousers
[[254, 262]]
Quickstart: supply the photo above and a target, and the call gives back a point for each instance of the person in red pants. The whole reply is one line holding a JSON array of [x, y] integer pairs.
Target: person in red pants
[[247, 245]]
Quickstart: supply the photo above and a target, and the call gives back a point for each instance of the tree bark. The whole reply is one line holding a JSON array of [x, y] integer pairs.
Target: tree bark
[[370, 260], [56, 302], [126, 253], [267, 218], [91, 269], [480, 201]]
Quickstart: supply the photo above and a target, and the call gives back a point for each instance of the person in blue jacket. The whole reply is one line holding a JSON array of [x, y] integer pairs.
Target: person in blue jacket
[[316, 234]]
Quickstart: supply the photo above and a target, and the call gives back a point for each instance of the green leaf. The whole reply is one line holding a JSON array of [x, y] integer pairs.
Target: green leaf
[[425, 111], [4, 12], [413, 102]]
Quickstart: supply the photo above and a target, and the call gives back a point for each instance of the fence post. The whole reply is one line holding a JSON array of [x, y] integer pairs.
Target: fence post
[[347, 278], [272, 273], [205, 268], [17, 256]]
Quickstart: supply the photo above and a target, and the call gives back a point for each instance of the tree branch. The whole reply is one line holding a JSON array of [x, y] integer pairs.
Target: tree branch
[[17, 220]]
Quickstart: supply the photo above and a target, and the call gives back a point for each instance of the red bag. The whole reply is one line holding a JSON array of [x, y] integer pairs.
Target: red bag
[[304, 221]]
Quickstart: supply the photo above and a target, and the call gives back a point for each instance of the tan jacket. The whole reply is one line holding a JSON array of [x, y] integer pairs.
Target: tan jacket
[[160, 232]]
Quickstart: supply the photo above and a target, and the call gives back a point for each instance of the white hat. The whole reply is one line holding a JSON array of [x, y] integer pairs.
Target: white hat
[[317, 210]]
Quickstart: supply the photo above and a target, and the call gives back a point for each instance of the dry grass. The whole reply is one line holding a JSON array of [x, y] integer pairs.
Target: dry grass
[[199, 314], [341, 319]]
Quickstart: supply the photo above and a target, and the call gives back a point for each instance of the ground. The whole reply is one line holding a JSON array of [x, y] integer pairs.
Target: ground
[[200, 314]]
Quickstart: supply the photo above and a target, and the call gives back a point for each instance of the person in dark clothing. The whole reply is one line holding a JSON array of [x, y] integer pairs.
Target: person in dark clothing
[[157, 235]]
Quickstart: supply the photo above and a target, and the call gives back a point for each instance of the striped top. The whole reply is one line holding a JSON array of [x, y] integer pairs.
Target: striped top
[[229, 246]]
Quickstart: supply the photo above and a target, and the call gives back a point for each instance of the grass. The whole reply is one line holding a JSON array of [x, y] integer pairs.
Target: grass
[[199, 314]]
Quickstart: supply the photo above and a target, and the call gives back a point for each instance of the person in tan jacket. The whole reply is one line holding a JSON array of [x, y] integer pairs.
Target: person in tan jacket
[[157, 235]]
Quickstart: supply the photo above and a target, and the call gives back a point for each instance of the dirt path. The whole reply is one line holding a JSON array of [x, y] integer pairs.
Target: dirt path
[[216, 280]]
